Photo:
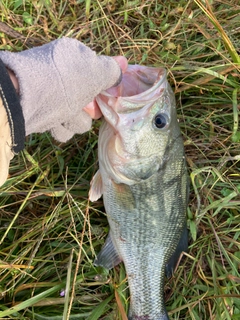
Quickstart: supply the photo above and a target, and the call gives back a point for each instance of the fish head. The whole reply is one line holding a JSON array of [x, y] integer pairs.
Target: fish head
[[140, 125]]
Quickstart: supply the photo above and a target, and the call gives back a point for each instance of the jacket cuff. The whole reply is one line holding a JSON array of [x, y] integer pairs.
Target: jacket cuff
[[13, 108]]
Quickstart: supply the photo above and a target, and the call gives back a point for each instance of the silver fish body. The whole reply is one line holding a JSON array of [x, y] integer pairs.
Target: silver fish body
[[142, 176]]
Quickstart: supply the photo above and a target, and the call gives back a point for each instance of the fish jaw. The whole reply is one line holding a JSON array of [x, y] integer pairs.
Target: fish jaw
[[137, 80]]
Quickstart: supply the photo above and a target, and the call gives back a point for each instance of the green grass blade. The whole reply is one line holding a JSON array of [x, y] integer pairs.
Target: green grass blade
[[99, 310], [31, 301]]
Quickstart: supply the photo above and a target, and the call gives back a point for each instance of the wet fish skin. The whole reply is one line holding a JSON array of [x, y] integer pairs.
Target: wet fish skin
[[143, 179]]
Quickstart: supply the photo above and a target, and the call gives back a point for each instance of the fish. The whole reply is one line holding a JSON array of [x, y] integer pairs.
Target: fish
[[143, 179]]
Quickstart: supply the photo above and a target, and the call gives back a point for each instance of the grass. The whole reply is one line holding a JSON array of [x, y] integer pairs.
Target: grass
[[49, 232]]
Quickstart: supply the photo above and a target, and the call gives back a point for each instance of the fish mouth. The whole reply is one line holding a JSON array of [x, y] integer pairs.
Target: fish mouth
[[140, 85], [137, 80]]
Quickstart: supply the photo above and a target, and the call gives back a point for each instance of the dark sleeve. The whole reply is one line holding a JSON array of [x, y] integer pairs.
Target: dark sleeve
[[13, 108]]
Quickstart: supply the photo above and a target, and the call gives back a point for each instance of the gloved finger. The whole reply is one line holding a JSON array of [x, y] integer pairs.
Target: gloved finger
[[73, 125]]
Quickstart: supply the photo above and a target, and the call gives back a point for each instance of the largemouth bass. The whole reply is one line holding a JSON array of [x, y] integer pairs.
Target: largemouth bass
[[143, 179]]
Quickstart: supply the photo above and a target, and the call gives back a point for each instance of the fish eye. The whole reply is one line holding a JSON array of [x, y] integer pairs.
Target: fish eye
[[160, 121]]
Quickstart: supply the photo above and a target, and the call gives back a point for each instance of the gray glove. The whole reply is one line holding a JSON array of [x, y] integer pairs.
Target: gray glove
[[57, 81]]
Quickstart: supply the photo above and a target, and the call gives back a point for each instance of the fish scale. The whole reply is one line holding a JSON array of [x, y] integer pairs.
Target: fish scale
[[148, 229], [142, 176]]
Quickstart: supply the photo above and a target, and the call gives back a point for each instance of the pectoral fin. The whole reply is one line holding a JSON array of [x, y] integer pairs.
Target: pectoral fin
[[182, 246], [108, 257], [96, 188]]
